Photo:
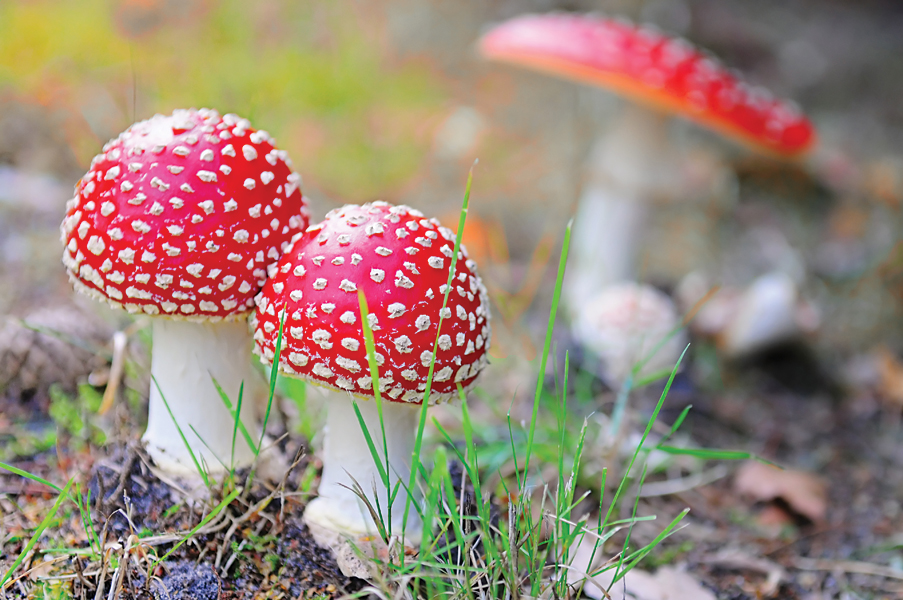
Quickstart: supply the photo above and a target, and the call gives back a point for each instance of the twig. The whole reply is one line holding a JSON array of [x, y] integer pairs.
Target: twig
[[845, 566], [683, 484]]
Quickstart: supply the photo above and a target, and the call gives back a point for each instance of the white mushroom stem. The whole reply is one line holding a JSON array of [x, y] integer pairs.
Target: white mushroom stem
[[337, 510], [628, 166], [186, 357]]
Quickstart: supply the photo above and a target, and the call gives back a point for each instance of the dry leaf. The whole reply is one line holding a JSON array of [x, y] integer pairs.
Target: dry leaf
[[804, 493], [890, 373], [668, 583]]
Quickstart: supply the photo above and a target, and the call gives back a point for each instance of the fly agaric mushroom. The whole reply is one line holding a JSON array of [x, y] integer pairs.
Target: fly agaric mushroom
[[400, 261], [623, 324], [665, 74], [178, 219]]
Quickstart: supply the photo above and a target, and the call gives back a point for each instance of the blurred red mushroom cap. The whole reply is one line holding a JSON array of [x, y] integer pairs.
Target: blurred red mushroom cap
[[666, 73]]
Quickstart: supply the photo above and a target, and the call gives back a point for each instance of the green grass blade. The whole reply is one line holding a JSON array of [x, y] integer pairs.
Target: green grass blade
[[31, 476], [64, 494], [562, 262], [194, 459], [235, 413], [216, 510]]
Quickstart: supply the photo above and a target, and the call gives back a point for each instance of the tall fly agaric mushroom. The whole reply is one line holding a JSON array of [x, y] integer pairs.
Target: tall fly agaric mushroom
[[401, 262], [178, 219], [665, 74]]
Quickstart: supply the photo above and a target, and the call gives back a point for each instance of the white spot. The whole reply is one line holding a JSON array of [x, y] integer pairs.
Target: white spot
[[403, 344], [348, 318], [298, 359], [459, 339], [229, 304], [299, 271], [402, 281], [249, 152], [96, 245], [113, 173], [444, 313], [138, 199], [249, 183], [126, 186], [443, 374], [228, 150], [469, 349], [426, 357], [396, 309], [338, 260], [174, 169], [254, 211], [240, 236], [422, 323], [346, 285], [208, 306], [344, 239], [318, 260], [158, 183], [348, 364], [356, 259], [116, 277], [83, 229], [383, 251], [409, 374], [195, 269], [181, 151], [295, 295], [445, 341], [140, 226], [266, 177], [148, 257], [230, 205], [374, 229], [327, 307], [244, 288], [174, 230], [320, 283], [156, 209], [377, 275], [207, 176], [186, 188], [401, 233], [412, 268], [127, 256], [228, 281], [207, 155], [436, 262], [176, 202], [350, 344], [207, 206]]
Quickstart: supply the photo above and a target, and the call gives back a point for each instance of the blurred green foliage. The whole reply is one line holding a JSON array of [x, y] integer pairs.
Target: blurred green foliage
[[317, 75]]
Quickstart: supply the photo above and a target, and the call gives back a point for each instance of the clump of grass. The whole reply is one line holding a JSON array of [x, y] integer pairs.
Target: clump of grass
[[470, 547]]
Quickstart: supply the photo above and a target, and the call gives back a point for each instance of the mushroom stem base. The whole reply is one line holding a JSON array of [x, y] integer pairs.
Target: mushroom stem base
[[347, 459], [186, 358]]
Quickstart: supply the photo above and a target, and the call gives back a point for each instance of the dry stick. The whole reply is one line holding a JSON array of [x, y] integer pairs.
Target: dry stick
[[846, 566]]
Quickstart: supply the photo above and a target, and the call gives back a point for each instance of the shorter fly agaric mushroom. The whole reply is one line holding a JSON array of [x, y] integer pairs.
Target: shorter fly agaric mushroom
[[667, 75], [623, 324], [400, 261], [178, 219]]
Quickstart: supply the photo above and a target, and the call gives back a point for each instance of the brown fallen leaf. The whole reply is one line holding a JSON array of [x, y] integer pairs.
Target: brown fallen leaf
[[805, 493], [890, 377]]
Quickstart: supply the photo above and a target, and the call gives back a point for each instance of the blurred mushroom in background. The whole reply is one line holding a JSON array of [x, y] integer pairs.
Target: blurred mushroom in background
[[635, 162]]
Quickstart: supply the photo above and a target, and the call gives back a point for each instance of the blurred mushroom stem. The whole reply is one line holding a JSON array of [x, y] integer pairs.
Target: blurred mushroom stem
[[627, 167], [338, 511], [187, 356]]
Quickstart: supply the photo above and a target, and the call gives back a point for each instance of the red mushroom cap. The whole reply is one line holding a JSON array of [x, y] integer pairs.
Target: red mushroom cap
[[666, 73], [400, 260], [181, 216]]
